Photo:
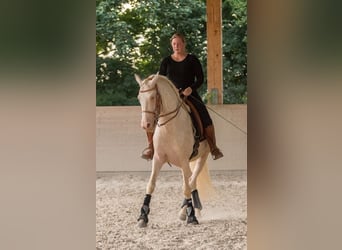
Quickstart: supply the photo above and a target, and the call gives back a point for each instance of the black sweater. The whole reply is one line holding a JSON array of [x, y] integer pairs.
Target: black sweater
[[187, 73]]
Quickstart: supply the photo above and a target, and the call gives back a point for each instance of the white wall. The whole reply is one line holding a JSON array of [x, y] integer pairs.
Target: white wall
[[120, 140]]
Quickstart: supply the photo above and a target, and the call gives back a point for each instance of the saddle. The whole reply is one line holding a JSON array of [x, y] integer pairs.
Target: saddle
[[198, 128]]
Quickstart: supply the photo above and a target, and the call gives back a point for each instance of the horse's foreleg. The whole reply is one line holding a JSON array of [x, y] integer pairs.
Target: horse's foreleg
[[156, 166], [145, 209]]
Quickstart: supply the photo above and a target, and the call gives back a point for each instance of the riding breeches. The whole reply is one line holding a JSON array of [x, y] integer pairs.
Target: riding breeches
[[195, 99]]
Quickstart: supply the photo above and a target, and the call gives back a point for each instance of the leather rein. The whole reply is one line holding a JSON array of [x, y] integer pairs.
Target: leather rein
[[156, 112]]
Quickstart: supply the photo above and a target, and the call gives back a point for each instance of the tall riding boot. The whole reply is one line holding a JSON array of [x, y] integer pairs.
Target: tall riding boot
[[147, 153], [209, 133]]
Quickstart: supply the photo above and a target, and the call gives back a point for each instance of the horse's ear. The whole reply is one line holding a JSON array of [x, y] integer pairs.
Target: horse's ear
[[155, 78], [138, 79]]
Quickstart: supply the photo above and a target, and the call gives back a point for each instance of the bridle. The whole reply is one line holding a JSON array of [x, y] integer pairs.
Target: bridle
[[156, 112]]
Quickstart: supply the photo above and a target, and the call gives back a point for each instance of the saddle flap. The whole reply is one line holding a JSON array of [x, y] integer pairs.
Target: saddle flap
[[197, 123], [196, 120]]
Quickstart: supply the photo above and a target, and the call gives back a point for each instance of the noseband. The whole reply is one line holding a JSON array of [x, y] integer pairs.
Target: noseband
[[156, 112]]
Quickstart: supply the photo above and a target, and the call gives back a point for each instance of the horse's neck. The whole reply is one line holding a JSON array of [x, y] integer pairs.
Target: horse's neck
[[170, 103], [170, 100]]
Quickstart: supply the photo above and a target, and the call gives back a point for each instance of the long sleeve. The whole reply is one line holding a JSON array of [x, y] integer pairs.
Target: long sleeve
[[163, 68], [187, 73], [198, 71]]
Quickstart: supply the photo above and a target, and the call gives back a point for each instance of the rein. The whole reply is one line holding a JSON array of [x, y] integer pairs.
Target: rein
[[176, 111], [156, 112]]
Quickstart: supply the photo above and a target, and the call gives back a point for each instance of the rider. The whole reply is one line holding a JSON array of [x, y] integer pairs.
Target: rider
[[185, 71]]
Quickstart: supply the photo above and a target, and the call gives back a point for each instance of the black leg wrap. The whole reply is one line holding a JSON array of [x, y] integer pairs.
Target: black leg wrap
[[185, 202], [190, 212], [147, 199], [196, 199], [145, 209]]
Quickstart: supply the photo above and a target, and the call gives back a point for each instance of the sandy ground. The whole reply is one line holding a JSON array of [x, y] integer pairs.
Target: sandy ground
[[119, 196]]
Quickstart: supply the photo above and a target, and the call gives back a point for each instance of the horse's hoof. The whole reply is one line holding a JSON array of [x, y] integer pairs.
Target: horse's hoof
[[192, 220], [195, 222], [142, 223], [182, 214]]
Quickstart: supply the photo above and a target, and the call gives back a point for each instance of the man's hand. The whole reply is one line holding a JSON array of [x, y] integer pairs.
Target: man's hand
[[187, 91]]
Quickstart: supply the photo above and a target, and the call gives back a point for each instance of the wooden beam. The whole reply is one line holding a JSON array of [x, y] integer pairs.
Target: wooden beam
[[214, 46]]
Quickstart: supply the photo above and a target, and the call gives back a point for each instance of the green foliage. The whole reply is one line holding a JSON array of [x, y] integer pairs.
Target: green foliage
[[234, 20], [115, 83], [133, 37]]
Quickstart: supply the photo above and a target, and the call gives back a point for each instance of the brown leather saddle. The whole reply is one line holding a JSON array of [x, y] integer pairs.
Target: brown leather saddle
[[198, 126]]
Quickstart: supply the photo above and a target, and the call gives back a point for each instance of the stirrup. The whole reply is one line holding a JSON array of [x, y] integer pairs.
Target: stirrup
[[147, 154], [216, 154]]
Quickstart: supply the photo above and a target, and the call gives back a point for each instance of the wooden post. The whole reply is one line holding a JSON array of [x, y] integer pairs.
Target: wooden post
[[214, 46]]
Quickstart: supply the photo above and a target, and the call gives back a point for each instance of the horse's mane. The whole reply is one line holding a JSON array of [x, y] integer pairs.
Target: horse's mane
[[168, 91]]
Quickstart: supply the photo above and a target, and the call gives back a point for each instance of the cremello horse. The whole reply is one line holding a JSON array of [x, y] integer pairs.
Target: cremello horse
[[165, 113]]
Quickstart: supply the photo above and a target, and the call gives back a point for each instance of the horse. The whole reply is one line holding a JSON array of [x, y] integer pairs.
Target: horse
[[165, 113]]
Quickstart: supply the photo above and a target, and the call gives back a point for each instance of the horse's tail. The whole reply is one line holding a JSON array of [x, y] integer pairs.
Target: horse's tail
[[204, 184]]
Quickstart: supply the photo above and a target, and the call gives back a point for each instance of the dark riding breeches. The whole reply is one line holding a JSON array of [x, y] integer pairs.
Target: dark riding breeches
[[195, 99]]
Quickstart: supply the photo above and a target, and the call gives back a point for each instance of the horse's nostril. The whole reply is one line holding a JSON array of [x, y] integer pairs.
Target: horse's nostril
[[148, 125]]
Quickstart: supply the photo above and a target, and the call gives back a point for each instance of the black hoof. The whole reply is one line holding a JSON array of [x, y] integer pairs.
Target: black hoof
[[142, 223], [143, 217], [192, 220], [142, 220]]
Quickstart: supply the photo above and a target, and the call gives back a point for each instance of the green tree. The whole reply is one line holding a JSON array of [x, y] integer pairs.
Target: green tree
[[133, 37], [115, 45], [234, 20]]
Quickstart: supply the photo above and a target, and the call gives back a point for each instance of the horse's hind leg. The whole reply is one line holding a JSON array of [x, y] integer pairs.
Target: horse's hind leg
[[188, 211], [196, 205], [198, 166], [145, 209], [187, 207]]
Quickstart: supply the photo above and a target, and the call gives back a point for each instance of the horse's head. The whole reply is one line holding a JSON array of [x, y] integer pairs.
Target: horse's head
[[149, 101]]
